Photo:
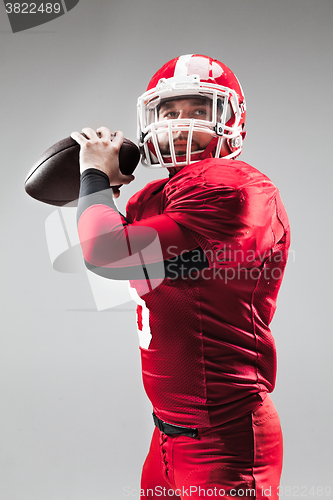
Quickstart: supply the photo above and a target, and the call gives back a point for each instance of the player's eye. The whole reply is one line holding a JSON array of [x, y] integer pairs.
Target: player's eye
[[171, 115], [200, 113]]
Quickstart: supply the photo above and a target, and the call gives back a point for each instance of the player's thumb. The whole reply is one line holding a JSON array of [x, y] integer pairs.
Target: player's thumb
[[126, 179]]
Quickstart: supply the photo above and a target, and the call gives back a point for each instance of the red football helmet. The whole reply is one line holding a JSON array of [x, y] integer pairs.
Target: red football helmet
[[219, 113]]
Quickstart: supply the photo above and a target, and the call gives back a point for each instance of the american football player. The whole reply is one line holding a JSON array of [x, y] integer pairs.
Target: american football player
[[205, 301]]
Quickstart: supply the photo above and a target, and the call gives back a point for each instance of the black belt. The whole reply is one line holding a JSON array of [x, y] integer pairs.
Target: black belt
[[170, 429]]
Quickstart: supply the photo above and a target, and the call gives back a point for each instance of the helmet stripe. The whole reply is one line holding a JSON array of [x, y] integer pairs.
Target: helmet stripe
[[181, 68]]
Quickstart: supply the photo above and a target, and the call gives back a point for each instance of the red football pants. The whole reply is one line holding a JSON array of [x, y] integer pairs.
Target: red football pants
[[239, 459]]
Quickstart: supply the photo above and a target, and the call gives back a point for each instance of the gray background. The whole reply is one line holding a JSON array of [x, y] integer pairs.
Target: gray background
[[75, 422]]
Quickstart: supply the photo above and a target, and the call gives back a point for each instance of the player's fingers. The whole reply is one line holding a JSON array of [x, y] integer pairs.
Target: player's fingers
[[79, 138], [104, 133], [90, 133], [118, 139]]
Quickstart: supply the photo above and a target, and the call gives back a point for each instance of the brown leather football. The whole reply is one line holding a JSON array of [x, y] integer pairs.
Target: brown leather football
[[55, 177]]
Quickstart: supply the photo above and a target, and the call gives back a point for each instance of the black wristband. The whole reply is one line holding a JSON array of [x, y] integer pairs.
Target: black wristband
[[94, 190], [93, 180]]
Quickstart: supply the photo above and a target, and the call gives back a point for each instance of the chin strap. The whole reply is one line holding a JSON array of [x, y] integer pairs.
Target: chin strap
[[208, 151]]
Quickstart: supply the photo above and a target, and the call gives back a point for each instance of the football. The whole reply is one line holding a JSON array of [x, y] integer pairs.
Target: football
[[55, 177]]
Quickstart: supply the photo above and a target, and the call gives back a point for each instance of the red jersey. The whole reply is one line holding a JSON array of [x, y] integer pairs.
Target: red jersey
[[208, 355]]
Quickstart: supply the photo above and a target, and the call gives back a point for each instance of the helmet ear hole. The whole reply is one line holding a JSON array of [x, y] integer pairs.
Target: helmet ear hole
[[235, 143]]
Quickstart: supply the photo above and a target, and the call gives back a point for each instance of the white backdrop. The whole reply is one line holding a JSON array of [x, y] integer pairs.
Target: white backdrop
[[75, 422]]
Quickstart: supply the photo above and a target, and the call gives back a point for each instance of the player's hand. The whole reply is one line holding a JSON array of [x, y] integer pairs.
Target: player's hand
[[100, 150]]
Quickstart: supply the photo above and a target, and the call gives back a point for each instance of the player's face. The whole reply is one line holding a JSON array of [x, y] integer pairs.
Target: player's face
[[189, 108]]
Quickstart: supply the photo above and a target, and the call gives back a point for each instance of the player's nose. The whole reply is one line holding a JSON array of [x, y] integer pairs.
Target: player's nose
[[183, 114], [180, 135]]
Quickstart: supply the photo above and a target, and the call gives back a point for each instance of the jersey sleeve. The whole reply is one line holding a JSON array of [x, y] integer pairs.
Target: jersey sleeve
[[109, 241], [229, 208]]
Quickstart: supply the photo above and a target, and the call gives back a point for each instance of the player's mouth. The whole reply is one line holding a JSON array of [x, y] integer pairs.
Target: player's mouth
[[181, 146]]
